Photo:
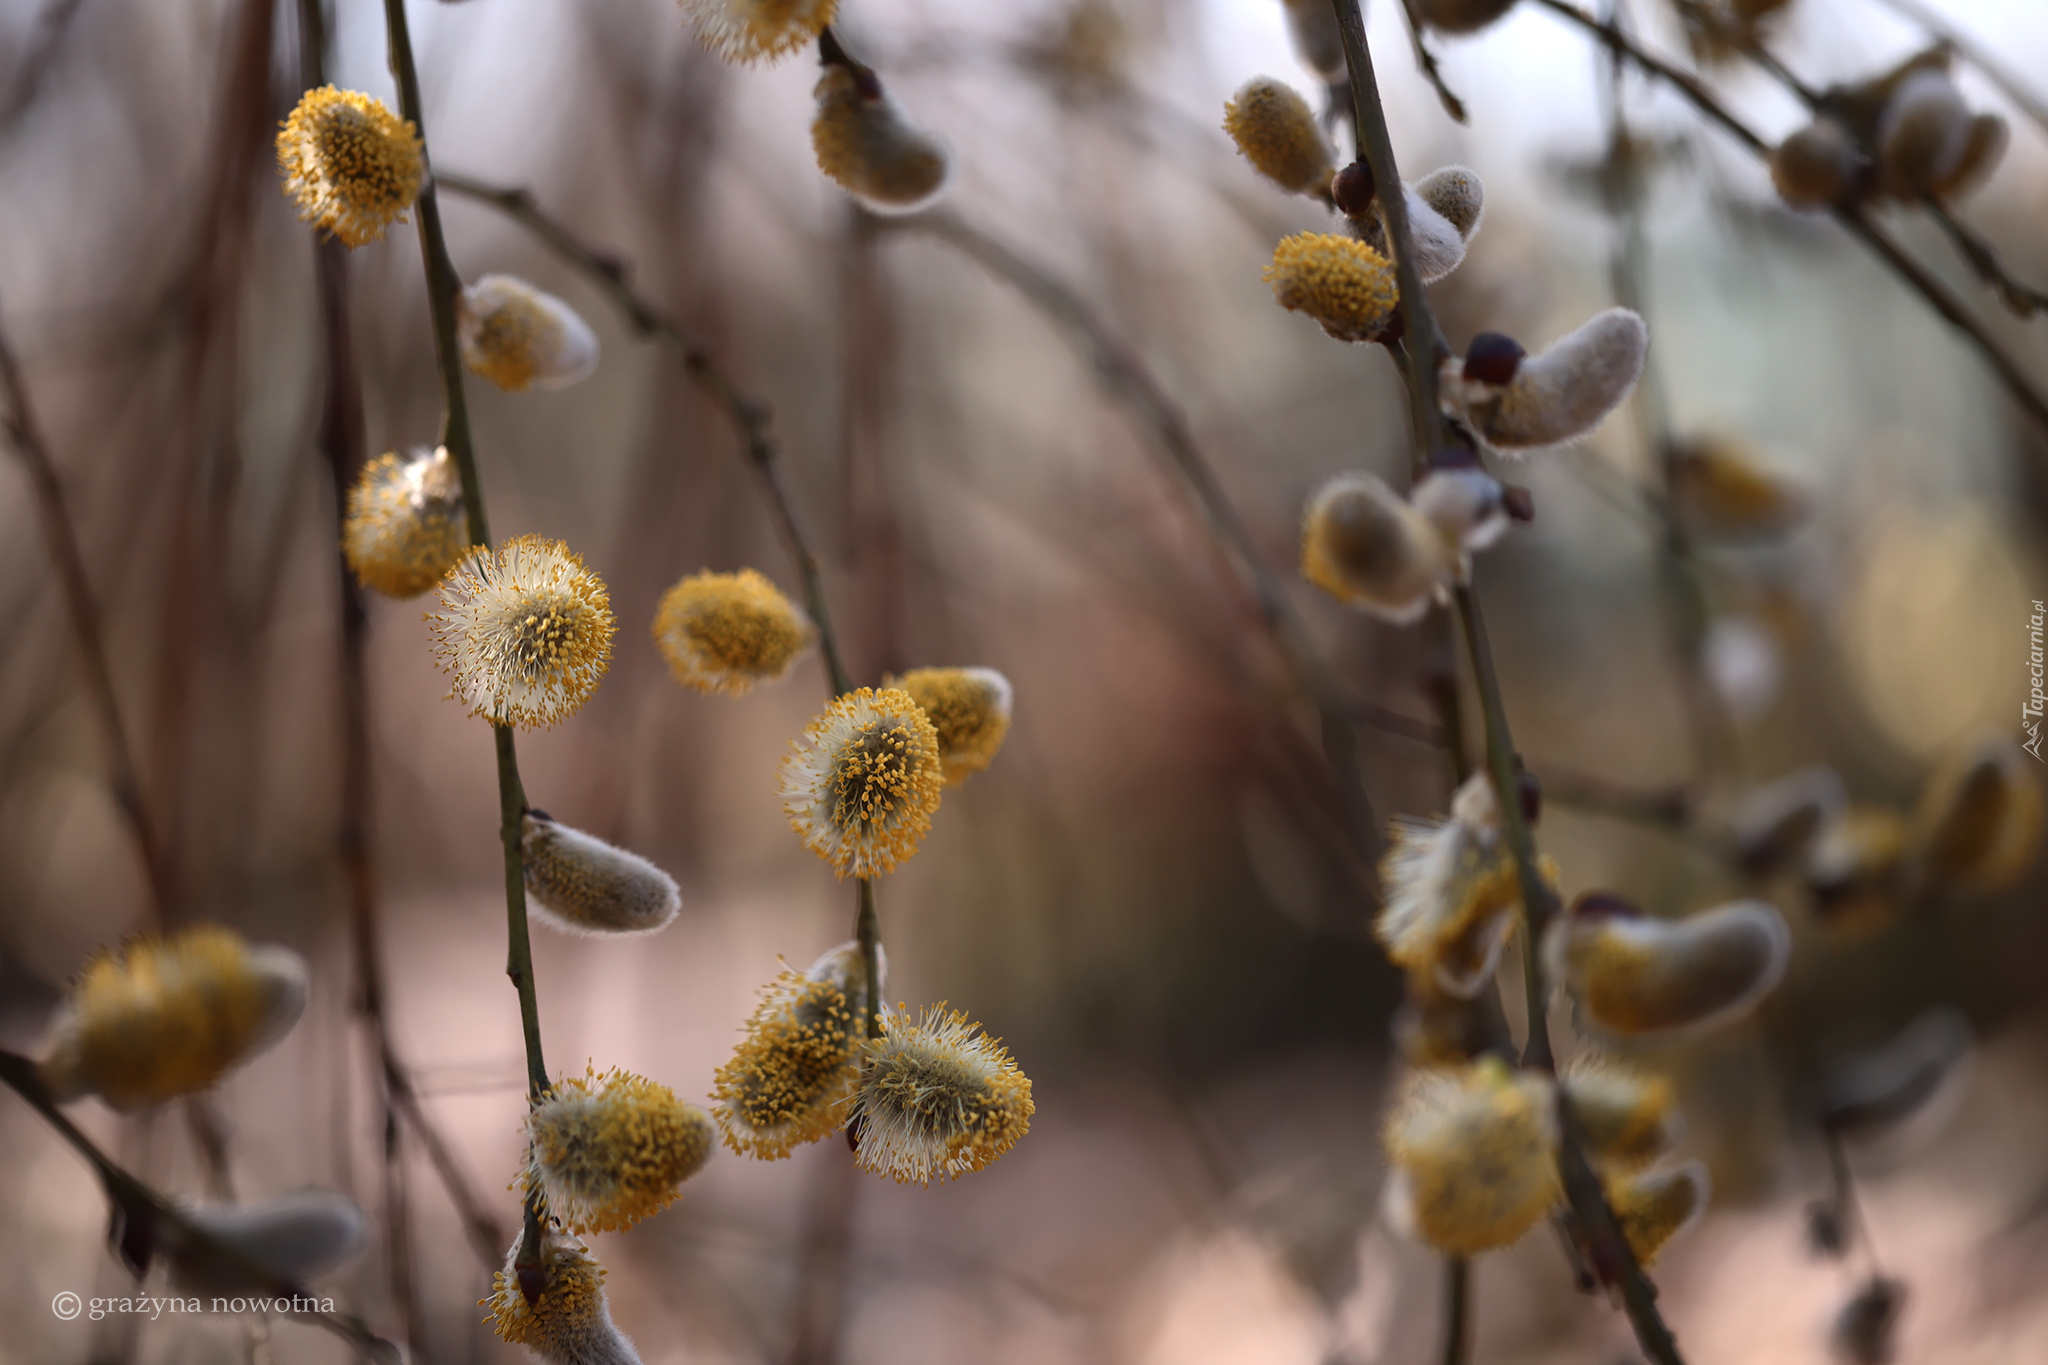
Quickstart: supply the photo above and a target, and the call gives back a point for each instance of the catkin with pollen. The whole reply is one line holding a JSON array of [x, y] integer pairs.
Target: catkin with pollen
[[867, 145], [607, 1150], [1634, 976], [1277, 132]]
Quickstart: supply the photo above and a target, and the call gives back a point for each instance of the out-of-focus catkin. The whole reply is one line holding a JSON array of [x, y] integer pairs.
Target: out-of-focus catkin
[[519, 337], [969, 709], [1978, 823], [1628, 1118], [730, 632], [759, 30], [582, 885], [1474, 1156], [160, 1018], [1366, 546], [1655, 1206], [405, 526], [1461, 16], [1633, 976], [1277, 132], [870, 148]]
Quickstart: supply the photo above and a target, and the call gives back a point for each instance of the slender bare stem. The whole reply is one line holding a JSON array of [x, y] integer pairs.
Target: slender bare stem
[[1124, 373], [145, 1216], [61, 537], [1457, 1311], [443, 286], [1583, 1192], [1425, 61], [1851, 216]]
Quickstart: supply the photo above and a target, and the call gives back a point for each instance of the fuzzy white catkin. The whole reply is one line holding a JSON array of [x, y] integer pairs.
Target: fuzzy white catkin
[[1559, 396], [582, 885], [295, 1238]]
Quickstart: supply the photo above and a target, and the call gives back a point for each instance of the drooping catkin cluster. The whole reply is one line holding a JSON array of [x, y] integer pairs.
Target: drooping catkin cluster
[[568, 1322], [729, 632], [520, 338], [161, 1018], [1518, 403], [1277, 132], [757, 30], [405, 526], [352, 166], [969, 709], [796, 1062], [937, 1098], [605, 1151], [870, 148], [861, 785], [1392, 557], [1632, 976], [1877, 1089], [526, 629], [583, 885], [1899, 135]]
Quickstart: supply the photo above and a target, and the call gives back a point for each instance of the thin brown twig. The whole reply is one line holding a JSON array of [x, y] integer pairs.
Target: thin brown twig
[[1125, 374], [1425, 62], [61, 537], [444, 284], [2021, 299], [1851, 216], [144, 1214], [1582, 1188]]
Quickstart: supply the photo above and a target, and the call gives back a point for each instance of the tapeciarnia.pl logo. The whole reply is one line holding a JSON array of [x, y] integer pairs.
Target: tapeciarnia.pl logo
[[2037, 700]]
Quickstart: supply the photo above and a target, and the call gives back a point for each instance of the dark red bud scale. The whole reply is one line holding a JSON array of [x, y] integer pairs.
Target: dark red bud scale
[[1352, 189], [1518, 502], [1493, 358], [1531, 793], [1602, 905], [533, 1282]]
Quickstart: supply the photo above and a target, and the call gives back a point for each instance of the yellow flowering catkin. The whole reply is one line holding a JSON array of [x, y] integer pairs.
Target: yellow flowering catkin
[[353, 166], [1342, 283], [729, 632], [405, 526], [1856, 870], [937, 1098], [860, 787], [526, 629], [1277, 132], [1474, 1157], [606, 1150], [1449, 892], [569, 1322], [756, 30], [162, 1018], [969, 709], [794, 1066], [1725, 490], [866, 144]]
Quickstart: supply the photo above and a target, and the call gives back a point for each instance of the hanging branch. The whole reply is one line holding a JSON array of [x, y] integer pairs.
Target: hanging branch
[[1851, 216], [443, 286], [1582, 1188]]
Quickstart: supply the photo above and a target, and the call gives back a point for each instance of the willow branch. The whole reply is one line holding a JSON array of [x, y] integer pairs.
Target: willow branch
[[1582, 1188], [1457, 1311], [60, 537], [1851, 216], [1425, 62], [2021, 299], [443, 286], [144, 1212]]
